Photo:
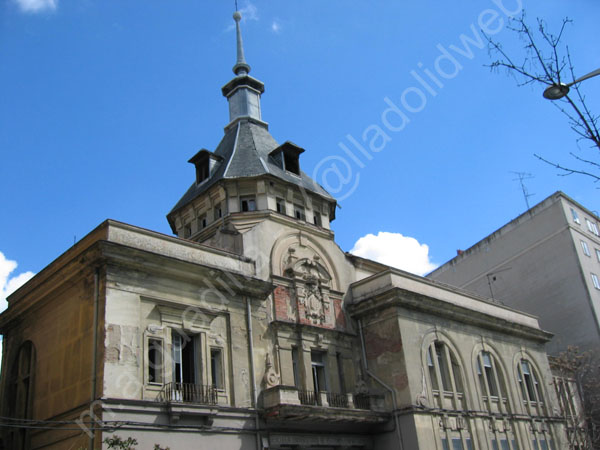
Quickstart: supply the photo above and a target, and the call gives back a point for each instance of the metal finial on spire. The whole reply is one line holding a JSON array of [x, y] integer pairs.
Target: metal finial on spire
[[241, 67]]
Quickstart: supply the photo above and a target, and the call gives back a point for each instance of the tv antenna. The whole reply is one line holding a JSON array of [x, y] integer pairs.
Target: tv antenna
[[491, 277], [521, 177]]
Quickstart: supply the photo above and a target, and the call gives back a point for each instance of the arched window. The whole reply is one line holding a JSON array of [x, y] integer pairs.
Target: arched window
[[445, 376], [20, 393], [530, 387], [491, 382]]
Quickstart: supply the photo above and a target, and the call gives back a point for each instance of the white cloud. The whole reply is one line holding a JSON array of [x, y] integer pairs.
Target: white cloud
[[34, 6], [396, 250], [276, 27], [8, 283], [249, 12]]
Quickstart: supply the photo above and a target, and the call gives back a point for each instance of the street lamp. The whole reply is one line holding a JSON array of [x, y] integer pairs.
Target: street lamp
[[557, 91]]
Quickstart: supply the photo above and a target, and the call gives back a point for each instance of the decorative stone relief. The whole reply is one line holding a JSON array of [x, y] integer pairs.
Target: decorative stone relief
[[361, 387], [271, 377], [311, 281]]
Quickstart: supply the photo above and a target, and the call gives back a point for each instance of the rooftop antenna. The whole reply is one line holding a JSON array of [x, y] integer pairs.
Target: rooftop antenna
[[522, 176], [491, 277]]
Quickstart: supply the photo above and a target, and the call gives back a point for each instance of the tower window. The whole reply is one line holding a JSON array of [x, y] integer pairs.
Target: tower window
[[218, 212], [317, 219], [187, 230], [299, 212], [281, 206], [202, 222], [248, 204]]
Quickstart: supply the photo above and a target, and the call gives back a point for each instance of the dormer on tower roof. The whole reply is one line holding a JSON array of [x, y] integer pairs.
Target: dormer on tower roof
[[206, 162], [287, 156]]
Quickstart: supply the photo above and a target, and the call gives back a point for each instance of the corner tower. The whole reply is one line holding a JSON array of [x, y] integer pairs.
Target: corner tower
[[249, 177]]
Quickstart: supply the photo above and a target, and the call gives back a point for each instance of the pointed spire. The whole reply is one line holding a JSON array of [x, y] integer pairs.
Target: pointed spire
[[241, 68]]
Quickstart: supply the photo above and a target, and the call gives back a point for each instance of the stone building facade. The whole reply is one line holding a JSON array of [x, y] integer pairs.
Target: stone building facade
[[251, 329]]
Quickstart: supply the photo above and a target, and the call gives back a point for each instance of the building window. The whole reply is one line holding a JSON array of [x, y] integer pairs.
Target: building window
[[280, 206], [595, 281], [503, 444], [20, 390], [456, 444], [299, 212], [216, 368], [202, 171], [185, 359], [295, 367], [155, 361], [575, 216], [592, 227], [487, 374], [292, 163], [586, 249], [217, 212], [598, 254], [541, 444], [248, 204], [187, 230], [528, 381], [319, 370], [440, 355], [317, 219], [202, 222], [445, 377], [340, 366]]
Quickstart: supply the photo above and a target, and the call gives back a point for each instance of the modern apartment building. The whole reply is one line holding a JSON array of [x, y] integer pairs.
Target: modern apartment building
[[545, 262]]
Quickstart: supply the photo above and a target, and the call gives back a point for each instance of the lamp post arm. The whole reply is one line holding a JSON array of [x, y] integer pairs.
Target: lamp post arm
[[585, 77]]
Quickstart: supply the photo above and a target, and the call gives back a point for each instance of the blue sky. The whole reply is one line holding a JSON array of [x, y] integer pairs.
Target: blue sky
[[104, 101]]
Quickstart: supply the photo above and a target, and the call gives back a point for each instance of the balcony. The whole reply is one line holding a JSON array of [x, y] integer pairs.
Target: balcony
[[287, 403], [188, 393], [188, 399]]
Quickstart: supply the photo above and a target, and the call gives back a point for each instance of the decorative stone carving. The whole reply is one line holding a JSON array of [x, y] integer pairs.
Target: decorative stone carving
[[271, 377], [313, 303], [361, 387]]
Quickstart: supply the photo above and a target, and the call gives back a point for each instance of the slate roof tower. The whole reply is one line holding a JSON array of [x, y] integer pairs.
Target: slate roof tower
[[247, 151]]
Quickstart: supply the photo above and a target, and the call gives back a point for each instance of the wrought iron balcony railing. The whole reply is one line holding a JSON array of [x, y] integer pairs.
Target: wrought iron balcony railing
[[188, 393], [337, 400], [362, 401], [309, 398]]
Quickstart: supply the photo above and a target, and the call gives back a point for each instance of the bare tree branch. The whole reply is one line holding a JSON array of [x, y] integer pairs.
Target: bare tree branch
[[547, 61], [568, 171]]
